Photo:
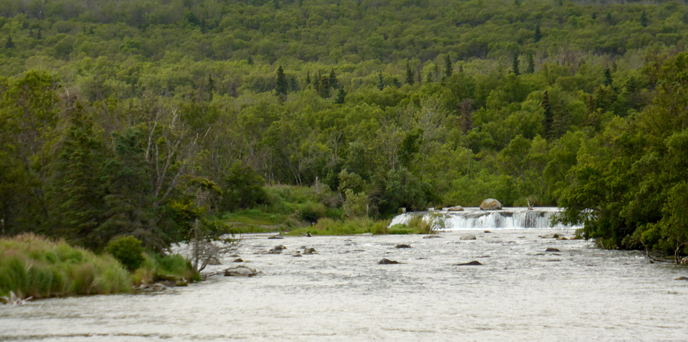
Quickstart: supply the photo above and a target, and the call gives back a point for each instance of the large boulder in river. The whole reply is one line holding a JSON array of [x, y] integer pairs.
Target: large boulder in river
[[490, 204], [240, 271]]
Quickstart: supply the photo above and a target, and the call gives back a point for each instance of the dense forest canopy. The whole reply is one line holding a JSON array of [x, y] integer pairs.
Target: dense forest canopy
[[143, 117]]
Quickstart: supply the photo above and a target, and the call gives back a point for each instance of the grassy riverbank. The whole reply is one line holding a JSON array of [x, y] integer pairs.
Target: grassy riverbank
[[34, 266]]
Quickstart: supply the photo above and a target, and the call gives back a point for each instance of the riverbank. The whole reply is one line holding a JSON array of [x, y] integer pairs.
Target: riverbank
[[34, 266], [521, 292]]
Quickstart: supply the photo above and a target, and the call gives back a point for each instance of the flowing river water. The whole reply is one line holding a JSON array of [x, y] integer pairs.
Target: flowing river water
[[520, 293]]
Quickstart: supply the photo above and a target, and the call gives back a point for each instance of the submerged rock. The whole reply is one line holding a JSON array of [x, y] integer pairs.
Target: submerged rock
[[275, 237], [468, 237], [549, 236], [682, 278], [562, 238], [431, 237], [238, 260], [455, 208], [490, 204], [487, 232], [402, 245], [367, 234], [277, 249], [297, 255], [214, 261], [552, 250], [309, 251], [240, 271], [386, 261], [472, 263]]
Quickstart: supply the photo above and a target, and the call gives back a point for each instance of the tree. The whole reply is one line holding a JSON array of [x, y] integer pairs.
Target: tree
[[332, 81], [308, 77], [78, 188], [448, 67], [514, 65], [537, 35], [410, 77], [341, 96], [607, 77], [9, 44], [549, 117], [531, 64], [249, 60], [380, 81], [643, 19], [211, 87], [281, 85]]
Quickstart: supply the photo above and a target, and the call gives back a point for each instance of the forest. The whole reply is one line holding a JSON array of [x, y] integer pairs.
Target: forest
[[151, 118]]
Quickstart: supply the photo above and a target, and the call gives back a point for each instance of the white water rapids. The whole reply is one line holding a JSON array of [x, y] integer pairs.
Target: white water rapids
[[474, 218]]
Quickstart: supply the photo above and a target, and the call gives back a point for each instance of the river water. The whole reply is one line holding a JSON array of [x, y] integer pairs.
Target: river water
[[520, 293]]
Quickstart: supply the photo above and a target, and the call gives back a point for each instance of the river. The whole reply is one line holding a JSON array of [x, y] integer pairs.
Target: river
[[520, 293]]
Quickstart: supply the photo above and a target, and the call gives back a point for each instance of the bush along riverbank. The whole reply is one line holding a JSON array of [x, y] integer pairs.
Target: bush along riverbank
[[34, 266]]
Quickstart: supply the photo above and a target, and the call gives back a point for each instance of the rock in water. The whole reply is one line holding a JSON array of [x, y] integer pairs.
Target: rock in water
[[385, 261], [472, 263], [277, 250], [275, 237], [468, 237], [552, 250], [309, 251], [238, 260], [490, 204], [432, 237], [402, 245], [240, 271], [682, 278], [455, 208]]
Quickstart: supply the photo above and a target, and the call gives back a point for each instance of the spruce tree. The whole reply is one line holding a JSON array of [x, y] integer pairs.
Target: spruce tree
[[78, 188], [341, 96], [448, 67], [538, 35], [410, 77], [531, 64], [9, 44], [281, 86], [293, 84], [395, 82], [324, 86], [333, 82], [308, 77], [549, 117], [514, 65], [249, 60], [380, 81], [607, 77], [211, 87], [643, 19]]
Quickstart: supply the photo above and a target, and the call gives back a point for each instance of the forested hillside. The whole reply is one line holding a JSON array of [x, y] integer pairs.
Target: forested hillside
[[142, 117]]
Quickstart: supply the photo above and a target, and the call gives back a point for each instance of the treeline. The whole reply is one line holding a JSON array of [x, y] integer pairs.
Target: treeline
[[145, 127]]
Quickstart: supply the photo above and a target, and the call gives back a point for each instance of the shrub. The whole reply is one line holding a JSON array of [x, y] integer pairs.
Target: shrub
[[128, 251], [311, 212]]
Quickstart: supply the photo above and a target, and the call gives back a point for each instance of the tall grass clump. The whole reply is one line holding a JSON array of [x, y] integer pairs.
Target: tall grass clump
[[31, 265]]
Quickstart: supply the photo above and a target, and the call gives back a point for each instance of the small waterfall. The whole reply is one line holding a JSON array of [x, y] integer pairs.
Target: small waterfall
[[474, 218]]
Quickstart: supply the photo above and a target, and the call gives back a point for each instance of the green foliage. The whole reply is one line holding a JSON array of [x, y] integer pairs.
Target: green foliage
[[34, 266], [242, 188], [127, 250]]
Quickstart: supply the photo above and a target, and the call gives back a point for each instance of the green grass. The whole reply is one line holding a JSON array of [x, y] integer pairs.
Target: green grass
[[31, 265], [156, 267]]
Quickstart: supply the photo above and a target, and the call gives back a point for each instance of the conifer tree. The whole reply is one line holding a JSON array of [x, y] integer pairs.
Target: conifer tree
[[410, 77], [531, 64], [380, 81], [281, 86], [395, 82], [428, 78], [308, 77], [9, 44], [341, 96], [249, 60], [78, 189], [448, 67], [549, 117], [607, 77], [323, 86], [514, 65], [211, 87], [538, 35], [643, 19], [293, 84], [333, 82]]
